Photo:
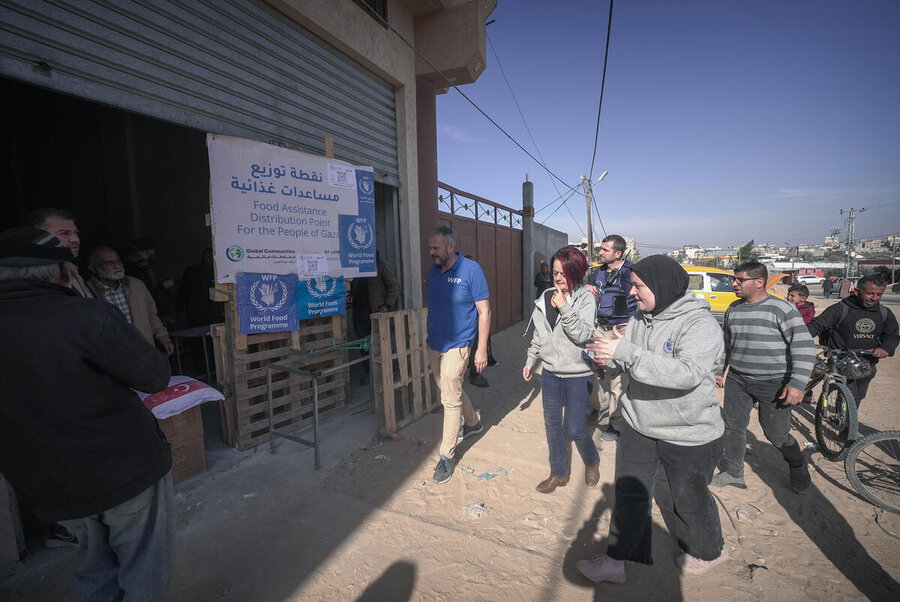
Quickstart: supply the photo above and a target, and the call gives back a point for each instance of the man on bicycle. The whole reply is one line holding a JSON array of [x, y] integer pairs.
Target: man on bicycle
[[859, 322]]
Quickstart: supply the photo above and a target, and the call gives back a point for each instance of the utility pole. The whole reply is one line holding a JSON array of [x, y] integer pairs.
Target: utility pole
[[849, 271], [893, 257], [590, 231]]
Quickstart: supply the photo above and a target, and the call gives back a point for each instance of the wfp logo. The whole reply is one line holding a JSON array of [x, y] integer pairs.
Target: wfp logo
[[235, 253], [360, 234], [321, 287], [268, 296], [366, 185]]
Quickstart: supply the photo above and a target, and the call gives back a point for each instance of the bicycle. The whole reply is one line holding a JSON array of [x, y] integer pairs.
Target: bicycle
[[873, 468], [836, 417]]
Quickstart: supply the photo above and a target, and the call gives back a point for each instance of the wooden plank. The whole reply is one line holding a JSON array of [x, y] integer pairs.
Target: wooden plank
[[400, 336], [301, 398], [415, 362], [387, 378], [428, 371]]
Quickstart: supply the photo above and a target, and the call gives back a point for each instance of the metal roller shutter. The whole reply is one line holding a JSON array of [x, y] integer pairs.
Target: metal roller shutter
[[227, 66]]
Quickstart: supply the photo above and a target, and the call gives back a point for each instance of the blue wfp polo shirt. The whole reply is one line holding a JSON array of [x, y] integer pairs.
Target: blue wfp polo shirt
[[452, 316]]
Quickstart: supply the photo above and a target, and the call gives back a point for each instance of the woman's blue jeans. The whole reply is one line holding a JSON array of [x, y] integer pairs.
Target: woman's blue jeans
[[566, 401]]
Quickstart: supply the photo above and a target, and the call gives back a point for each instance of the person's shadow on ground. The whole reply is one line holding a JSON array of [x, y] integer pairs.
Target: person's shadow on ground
[[822, 523], [396, 584]]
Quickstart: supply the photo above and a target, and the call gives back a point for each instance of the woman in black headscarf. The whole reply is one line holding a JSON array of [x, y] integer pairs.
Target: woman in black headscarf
[[670, 351]]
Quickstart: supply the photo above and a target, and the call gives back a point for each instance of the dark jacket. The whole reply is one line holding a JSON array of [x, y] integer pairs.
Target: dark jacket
[[615, 305], [861, 328], [74, 438]]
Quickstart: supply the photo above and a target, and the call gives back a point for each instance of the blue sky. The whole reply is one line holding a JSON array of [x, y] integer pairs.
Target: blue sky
[[722, 121]]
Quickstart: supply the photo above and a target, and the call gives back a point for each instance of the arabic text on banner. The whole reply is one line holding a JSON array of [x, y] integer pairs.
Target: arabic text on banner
[[270, 204]]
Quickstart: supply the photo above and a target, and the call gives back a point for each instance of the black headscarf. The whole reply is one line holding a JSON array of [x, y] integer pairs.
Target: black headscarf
[[664, 277]]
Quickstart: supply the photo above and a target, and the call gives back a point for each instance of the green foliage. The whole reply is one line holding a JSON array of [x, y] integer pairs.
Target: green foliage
[[746, 252]]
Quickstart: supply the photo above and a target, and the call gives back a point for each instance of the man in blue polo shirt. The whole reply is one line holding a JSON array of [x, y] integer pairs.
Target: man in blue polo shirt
[[458, 306]]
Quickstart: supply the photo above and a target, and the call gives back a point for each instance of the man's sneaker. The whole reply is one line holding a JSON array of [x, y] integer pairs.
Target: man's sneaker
[[610, 435], [479, 381], [695, 566], [60, 537], [724, 479], [602, 568], [444, 470], [468, 431], [800, 479]]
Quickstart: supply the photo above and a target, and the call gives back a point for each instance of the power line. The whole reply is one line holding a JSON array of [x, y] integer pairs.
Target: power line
[[558, 207], [602, 86], [455, 87], [549, 204], [518, 108]]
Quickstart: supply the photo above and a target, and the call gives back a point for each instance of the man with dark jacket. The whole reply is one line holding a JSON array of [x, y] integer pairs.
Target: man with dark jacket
[[76, 442], [859, 322], [615, 306]]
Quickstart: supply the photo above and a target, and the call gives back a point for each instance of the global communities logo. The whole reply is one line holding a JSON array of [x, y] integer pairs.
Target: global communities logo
[[235, 253]]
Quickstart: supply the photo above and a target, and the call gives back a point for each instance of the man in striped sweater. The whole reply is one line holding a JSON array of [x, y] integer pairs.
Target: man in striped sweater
[[769, 355]]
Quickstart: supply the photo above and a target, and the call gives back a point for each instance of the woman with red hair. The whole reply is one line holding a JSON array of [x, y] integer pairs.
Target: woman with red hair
[[563, 320]]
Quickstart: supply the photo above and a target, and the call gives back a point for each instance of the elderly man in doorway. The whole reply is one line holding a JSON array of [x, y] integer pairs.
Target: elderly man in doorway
[[128, 295], [458, 306]]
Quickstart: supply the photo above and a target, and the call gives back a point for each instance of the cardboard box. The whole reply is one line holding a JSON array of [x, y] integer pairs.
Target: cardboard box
[[185, 433]]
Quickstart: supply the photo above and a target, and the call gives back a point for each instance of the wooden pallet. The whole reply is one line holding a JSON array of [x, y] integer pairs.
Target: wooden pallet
[[245, 418], [401, 373]]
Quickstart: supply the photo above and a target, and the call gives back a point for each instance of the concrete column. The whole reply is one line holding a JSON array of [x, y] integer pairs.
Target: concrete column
[[527, 248], [426, 138]]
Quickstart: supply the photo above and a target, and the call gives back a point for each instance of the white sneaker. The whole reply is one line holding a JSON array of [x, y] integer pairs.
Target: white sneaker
[[602, 568], [695, 566]]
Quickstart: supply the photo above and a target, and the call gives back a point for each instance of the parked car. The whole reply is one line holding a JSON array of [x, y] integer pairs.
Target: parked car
[[810, 279], [715, 286]]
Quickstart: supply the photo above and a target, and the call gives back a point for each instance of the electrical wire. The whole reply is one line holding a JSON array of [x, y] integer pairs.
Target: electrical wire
[[602, 87], [519, 109], [571, 190], [455, 87]]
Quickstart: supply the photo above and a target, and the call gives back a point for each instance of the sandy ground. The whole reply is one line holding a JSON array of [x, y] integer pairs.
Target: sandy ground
[[372, 525]]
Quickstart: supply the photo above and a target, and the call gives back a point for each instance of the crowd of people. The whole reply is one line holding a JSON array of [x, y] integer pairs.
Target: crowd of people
[[655, 355], [83, 345], [632, 332]]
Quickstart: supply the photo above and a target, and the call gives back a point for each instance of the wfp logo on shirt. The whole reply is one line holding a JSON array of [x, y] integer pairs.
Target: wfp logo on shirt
[[452, 280]]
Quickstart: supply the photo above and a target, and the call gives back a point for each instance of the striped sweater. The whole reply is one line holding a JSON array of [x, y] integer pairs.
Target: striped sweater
[[768, 339]]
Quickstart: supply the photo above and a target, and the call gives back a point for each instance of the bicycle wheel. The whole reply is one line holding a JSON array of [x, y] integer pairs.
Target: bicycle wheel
[[873, 468], [835, 420]]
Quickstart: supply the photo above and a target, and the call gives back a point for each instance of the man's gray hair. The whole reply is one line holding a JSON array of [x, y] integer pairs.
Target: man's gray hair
[[92, 258], [446, 232], [39, 273]]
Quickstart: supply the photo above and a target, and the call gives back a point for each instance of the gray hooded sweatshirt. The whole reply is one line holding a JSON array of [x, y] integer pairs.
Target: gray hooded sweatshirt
[[671, 361], [560, 347]]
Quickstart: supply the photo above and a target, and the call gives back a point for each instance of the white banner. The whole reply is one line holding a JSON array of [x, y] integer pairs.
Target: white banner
[[271, 205]]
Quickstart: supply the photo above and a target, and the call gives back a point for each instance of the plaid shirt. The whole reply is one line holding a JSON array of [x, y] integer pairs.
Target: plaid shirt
[[115, 296]]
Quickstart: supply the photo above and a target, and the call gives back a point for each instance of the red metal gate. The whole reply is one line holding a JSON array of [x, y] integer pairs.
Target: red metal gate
[[492, 234]]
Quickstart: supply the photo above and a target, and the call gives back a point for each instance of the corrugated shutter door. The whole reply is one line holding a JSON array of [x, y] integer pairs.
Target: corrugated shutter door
[[227, 66]]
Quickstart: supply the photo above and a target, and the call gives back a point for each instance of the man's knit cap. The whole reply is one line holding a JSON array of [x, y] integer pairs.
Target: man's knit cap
[[27, 246]]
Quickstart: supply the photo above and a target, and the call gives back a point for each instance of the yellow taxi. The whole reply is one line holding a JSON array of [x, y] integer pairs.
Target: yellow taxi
[[714, 285]]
